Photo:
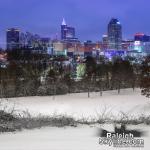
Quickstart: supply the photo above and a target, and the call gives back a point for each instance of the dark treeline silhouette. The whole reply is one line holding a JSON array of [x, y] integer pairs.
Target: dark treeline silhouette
[[145, 77], [30, 74], [106, 75]]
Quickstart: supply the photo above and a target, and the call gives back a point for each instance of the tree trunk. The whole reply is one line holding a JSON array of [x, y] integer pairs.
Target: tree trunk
[[119, 88], [101, 93], [88, 93]]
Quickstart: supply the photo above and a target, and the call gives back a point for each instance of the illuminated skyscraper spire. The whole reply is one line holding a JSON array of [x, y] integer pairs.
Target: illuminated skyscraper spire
[[64, 22]]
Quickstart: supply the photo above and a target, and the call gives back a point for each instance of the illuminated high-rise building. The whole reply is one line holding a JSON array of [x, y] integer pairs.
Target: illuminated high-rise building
[[141, 37], [67, 33], [12, 36], [105, 42], [63, 29], [114, 34], [141, 43]]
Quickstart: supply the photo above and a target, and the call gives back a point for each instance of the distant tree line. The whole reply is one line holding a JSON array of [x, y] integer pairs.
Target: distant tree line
[[23, 75], [145, 77]]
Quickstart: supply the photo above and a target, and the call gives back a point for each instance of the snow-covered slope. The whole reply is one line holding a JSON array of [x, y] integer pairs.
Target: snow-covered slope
[[80, 138], [79, 105]]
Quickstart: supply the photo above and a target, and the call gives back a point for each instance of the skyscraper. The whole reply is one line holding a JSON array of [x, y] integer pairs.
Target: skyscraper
[[12, 35], [67, 33], [141, 37], [105, 42], [114, 34], [63, 29]]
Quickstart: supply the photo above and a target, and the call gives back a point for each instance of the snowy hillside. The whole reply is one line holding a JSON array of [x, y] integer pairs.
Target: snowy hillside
[[80, 106], [80, 138]]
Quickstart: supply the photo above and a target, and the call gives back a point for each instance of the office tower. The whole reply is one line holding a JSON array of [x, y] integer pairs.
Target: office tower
[[70, 33], [142, 43], [45, 44], [141, 37], [127, 44], [22, 40], [105, 42], [114, 34], [89, 46], [12, 36], [67, 33], [32, 40], [63, 29]]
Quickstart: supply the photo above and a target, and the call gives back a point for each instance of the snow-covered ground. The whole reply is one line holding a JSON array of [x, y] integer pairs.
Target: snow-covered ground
[[80, 106], [80, 138]]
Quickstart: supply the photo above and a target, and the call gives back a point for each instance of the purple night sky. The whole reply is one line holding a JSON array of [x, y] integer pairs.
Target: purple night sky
[[89, 17]]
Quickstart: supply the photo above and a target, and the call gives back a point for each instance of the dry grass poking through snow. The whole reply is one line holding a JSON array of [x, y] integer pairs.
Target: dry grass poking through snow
[[9, 122]]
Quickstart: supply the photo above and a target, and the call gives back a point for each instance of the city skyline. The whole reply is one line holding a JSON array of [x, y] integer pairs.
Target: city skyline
[[89, 18]]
